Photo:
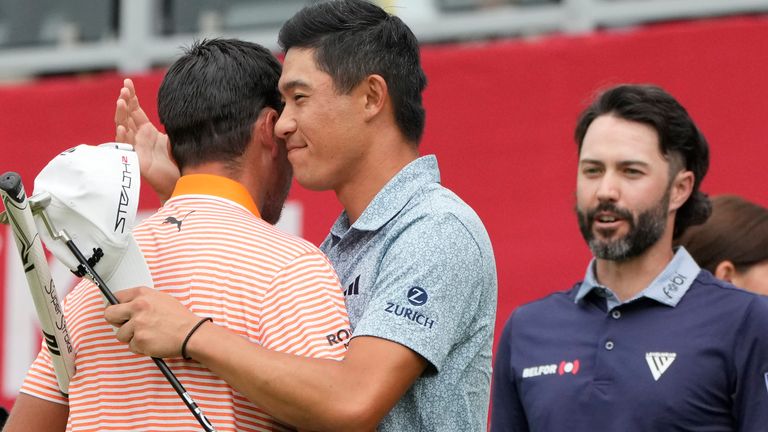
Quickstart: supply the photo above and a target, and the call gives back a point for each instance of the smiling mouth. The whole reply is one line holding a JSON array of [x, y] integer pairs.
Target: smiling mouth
[[606, 219], [295, 147], [607, 225]]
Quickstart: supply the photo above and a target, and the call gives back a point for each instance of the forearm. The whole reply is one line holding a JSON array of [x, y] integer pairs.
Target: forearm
[[33, 414], [306, 393]]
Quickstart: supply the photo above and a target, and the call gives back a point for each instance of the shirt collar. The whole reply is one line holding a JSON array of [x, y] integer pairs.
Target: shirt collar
[[218, 186], [392, 197], [668, 287]]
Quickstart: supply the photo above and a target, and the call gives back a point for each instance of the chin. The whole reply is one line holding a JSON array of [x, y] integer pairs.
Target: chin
[[312, 184]]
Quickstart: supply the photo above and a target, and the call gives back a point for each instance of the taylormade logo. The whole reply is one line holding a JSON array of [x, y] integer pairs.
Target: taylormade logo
[[659, 362], [124, 197]]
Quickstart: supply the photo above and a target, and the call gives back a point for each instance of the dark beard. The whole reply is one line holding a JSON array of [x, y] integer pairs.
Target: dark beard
[[644, 230], [274, 200]]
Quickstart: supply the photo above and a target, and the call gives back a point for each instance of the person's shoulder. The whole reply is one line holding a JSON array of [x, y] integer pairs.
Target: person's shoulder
[[439, 209], [732, 302], [223, 223], [708, 285], [544, 307], [542, 314], [436, 199]]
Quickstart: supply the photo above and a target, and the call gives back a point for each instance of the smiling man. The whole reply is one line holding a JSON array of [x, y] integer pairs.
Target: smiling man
[[647, 341], [417, 259]]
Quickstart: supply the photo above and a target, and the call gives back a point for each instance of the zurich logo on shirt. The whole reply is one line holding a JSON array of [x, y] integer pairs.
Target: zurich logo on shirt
[[417, 296]]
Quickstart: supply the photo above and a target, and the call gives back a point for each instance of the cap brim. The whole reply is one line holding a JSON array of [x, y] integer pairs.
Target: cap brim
[[131, 271]]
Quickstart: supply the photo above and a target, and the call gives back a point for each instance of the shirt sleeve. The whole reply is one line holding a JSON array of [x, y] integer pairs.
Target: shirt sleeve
[[507, 413], [751, 357], [303, 312], [432, 282], [40, 381]]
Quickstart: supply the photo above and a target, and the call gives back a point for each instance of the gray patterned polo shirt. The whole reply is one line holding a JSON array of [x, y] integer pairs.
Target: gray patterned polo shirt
[[418, 269]]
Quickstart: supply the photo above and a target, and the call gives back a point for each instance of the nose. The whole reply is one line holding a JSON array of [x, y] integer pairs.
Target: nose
[[286, 124], [608, 188]]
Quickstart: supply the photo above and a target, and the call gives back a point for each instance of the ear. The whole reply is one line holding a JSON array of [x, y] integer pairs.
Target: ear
[[375, 93], [264, 130], [725, 270], [681, 189]]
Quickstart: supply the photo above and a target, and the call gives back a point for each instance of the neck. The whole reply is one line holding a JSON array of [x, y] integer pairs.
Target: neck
[[212, 168], [628, 278], [385, 157], [223, 170]]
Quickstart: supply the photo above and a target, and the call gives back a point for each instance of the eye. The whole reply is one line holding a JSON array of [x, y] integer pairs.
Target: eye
[[591, 171], [298, 96], [633, 172]]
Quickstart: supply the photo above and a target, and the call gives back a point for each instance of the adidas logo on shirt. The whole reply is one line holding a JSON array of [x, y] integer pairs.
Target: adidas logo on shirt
[[659, 362], [353, 288]]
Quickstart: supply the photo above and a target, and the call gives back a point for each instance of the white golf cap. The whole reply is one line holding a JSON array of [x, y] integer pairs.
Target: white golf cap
[[94, 196]]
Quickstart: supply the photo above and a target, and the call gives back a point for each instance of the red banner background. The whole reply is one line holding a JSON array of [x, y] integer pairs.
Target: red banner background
[[500, 117]]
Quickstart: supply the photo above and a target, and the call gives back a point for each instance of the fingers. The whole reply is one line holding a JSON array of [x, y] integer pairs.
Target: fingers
[[122, 135], [128, 111], [125, 332], [121, 109], [128, 85], [130, 294], [117, 315], [136, 113], [125, 130]]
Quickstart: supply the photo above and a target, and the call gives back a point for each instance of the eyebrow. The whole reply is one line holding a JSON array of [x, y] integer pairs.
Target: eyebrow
[[621, 163], [290, 85]]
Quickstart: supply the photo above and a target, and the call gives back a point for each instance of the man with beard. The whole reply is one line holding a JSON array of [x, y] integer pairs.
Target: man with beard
[[647, 341]]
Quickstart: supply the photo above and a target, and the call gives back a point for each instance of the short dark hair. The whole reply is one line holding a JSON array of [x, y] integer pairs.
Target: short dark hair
[[737, 231], [353, 39], [678, 138], [210, 98]]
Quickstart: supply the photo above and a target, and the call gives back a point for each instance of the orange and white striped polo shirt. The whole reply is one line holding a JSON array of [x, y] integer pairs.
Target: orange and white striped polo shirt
[[218, 258]]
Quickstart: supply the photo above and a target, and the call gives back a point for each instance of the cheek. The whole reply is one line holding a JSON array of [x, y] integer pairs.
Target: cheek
[[584, 195]]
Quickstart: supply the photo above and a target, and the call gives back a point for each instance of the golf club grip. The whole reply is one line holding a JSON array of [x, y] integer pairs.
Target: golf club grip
[[10, 183], [38, 275], [166, 371]]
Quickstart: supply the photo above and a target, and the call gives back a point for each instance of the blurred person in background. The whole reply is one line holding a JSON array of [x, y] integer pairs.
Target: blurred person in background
[[733, 243]]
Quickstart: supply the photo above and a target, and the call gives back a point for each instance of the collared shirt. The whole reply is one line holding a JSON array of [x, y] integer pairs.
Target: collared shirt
[[208, 248], [418, 269], [667, 288], [690, 352]]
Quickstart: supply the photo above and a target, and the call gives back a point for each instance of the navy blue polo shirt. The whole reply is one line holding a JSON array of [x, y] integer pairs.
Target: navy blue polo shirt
[[689, 353]]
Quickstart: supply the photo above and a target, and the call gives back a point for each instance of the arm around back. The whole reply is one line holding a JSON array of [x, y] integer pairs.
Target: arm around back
[[353, 394]]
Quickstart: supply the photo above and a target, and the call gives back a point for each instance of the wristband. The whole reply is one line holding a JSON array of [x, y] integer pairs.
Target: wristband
[[189, 335]]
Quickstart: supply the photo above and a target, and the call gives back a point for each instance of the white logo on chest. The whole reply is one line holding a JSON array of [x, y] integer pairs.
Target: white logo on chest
[[659, 362]]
